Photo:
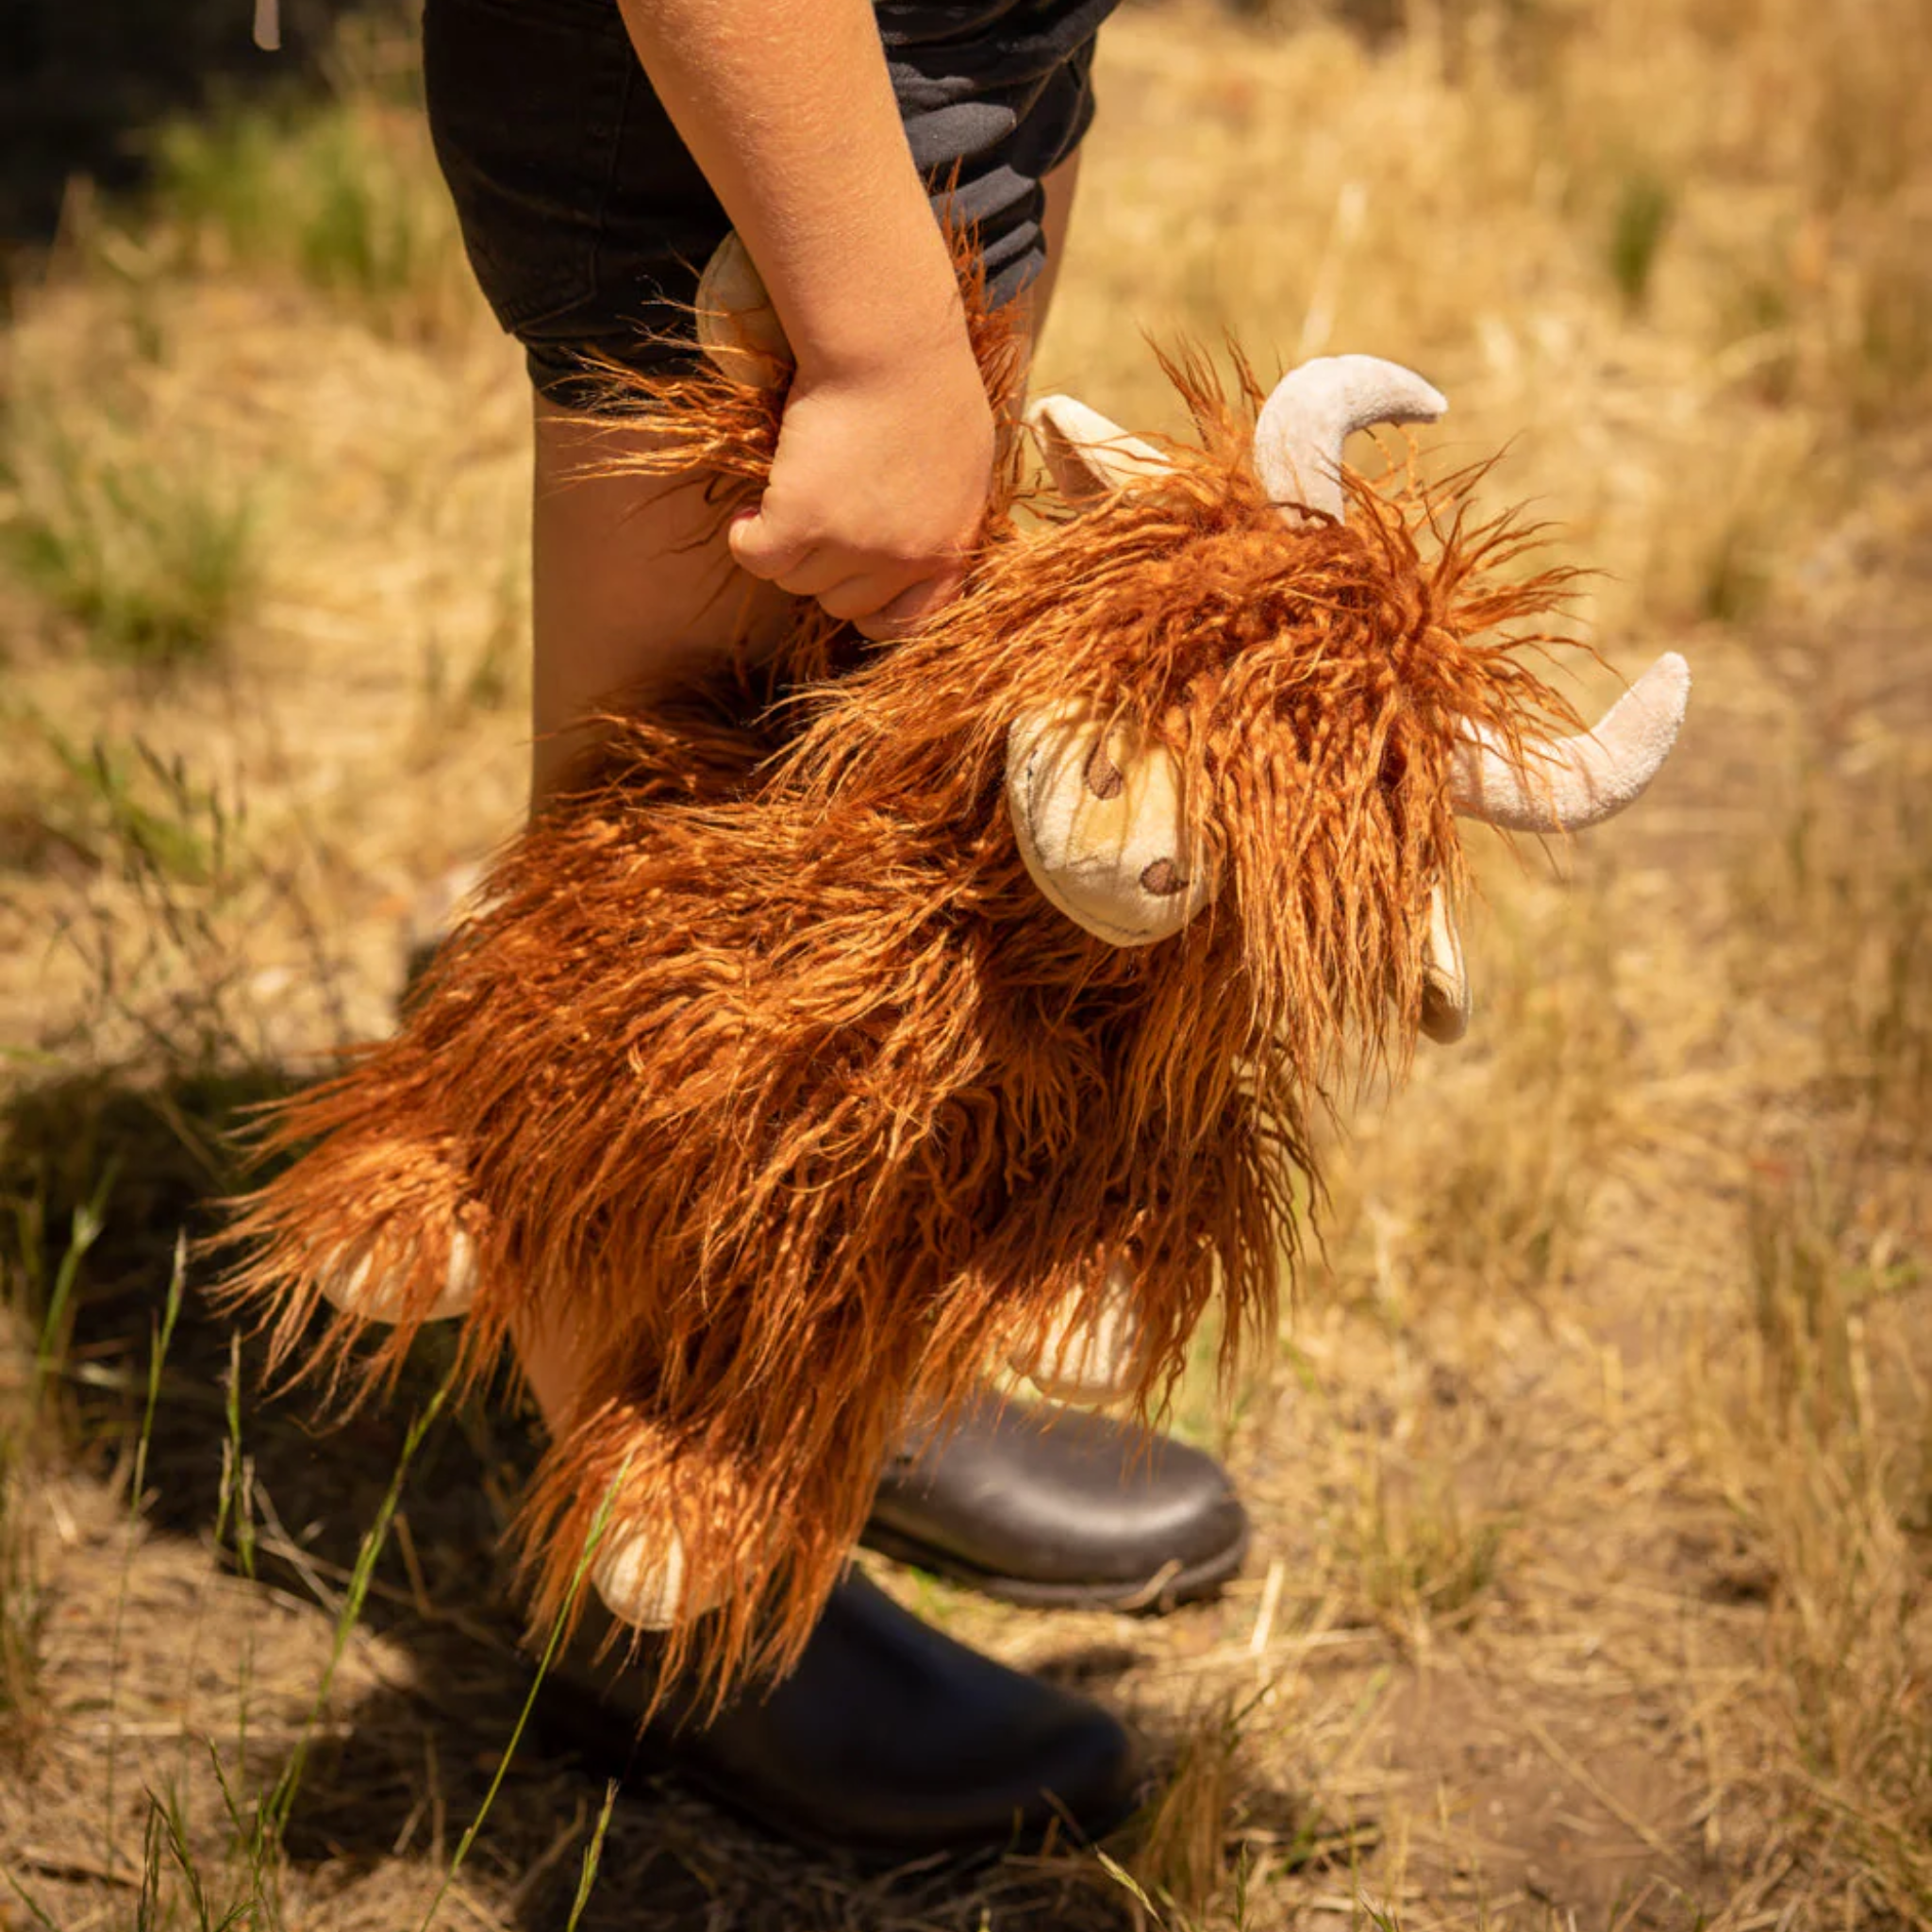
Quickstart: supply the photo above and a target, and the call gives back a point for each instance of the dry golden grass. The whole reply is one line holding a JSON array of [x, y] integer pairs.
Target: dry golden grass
[[1591, 1480]]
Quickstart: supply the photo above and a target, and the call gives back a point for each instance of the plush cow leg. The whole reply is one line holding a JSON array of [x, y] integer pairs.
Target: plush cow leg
[[374, 1217], [407, 1246], [1090, 1353], [609, 1457], [618, 1466]]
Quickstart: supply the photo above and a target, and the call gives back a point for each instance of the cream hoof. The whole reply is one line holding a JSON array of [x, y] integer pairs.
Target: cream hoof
[[1093, 1350], [358, 1290], [640, 1575]]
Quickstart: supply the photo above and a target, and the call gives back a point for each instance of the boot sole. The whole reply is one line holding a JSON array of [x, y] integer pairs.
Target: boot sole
[[659, 1759], [1151, 1596]]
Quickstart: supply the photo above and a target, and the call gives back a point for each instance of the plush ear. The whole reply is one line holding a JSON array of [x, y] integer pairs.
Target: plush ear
[[1446, 983], [1088, 455], [1102, 825]]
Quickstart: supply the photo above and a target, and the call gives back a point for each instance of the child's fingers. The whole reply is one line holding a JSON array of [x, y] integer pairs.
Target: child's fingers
[[856, 597], [815, 572], [761, 548], [886, 604], [882, 600], [904, 613]]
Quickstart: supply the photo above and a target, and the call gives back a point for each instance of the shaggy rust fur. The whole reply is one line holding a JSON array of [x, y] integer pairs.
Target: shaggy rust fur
[[766, 1074]]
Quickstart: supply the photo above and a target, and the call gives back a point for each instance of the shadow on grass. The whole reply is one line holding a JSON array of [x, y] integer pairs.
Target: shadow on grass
[[411, 1761]]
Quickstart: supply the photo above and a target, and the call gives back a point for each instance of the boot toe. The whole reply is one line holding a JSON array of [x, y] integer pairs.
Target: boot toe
[[1060, 1506]]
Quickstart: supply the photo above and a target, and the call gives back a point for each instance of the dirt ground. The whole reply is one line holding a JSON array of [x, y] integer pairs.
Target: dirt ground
[[1587, 1476]]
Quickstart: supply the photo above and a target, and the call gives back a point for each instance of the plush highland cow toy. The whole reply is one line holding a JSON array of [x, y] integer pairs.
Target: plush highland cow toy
[[970, 1008]]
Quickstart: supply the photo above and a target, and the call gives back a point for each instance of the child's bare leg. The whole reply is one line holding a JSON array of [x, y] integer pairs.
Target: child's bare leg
[[624, 595], [626, 592]]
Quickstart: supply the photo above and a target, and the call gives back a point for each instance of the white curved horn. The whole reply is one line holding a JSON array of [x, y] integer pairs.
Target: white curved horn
[[1569, 784], [1087, 453], [1316, 409]]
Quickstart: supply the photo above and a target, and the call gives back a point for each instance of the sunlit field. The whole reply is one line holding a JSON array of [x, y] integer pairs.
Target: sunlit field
[[1589, 1468]]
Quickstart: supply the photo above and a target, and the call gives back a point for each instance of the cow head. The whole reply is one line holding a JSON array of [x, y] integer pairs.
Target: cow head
[[1112, 829], [1100, 811]]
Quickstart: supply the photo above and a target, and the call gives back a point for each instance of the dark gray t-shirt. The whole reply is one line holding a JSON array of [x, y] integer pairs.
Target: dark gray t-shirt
[[998, 90], [986, 42]]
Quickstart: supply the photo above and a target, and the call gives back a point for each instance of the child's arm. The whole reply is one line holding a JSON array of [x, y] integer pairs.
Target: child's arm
[[886, 455]]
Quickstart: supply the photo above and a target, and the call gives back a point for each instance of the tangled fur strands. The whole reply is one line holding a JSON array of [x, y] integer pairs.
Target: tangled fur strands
[[767, 1080]]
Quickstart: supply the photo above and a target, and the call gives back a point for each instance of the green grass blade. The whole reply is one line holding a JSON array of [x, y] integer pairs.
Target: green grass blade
[[90, 1218], [34, 1905], [177, 1282], [282, 1799], [503, 1764], [593, 1854]]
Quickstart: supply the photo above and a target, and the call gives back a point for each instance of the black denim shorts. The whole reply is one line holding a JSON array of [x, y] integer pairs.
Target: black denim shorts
[[587, 221]]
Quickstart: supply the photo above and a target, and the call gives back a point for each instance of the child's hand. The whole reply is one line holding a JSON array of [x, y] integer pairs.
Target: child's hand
[[879, 487], [885, 455]]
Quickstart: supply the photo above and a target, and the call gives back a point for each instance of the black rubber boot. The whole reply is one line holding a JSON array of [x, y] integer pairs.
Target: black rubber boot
[[1060, 1506], [888, 1740]]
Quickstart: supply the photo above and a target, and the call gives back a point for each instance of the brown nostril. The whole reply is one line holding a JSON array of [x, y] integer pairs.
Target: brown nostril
[[1163, 878], [1104, 777]]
